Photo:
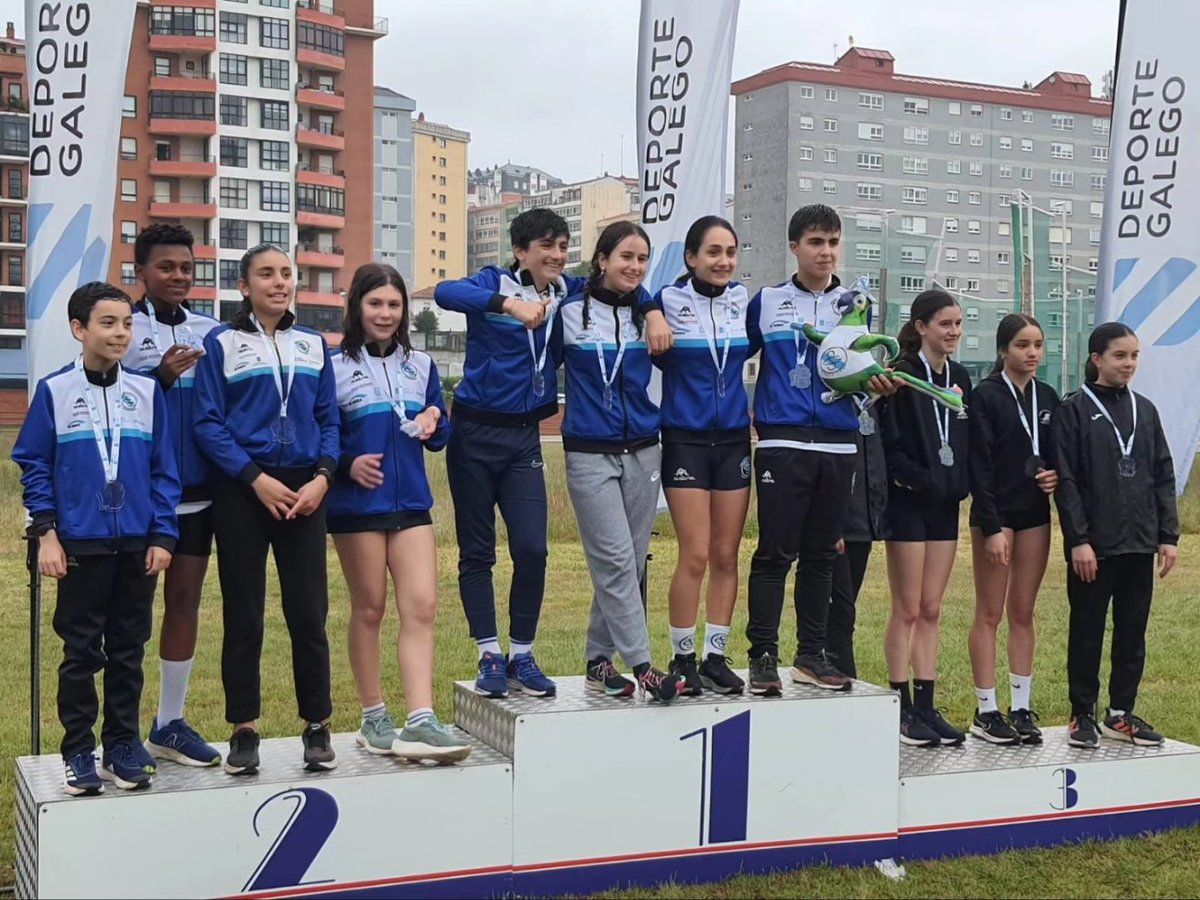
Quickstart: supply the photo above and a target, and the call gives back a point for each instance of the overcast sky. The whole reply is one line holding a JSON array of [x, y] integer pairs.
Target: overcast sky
[[550, 83]]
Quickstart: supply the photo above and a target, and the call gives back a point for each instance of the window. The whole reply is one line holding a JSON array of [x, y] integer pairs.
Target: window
[[128, 149], [233, 110], [128, 273], [233, 68], [1004, 170], [916, 134], [1006, 113], [230, 272], [831, 94], [234, 192], [129, 107], [1096, 209], [275, 196], [128, 193], [181, 105], [274, 114], [972, 285], [912, 255], [870, 160], [916, 165], [1062, 122], [806, 92], [951, 196], [953, 166], [829, 187], [972, 342], [976, 111], [1004, 229], [869, 222], [129, 232], [274, 233], [972, 313], [1100, 126], [1098, 181], [917, 195], [954, 108], [1093, 236], [952, 226], [806, 153], [1004, 199], [830, 155], [233, 28], [805, 184], [278, 4], [331, 201], [954, 137], [1005, 143], [1093, 264], [274, 73], [1062, 177], [868, 252], [747, 127], [182, 20], [951, 254], [274, 155], [1058, 204], [914, 224], [1100, 154], [869, 131], [274, 34], [912, 284], [235, 234], [973, 226], [806, 123], [950, 282], [976, 168], [870, 191], [15, 269], [1003, 286], [831, 125], [867, 100], [974, 198], [234, 152], [1027, 116], [973, 256], [1026, 145], [1062, 151], [916, 106], [976, 138], [1026, 173]]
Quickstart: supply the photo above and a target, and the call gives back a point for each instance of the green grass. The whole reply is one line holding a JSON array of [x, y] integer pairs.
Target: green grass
[[1160, 866]]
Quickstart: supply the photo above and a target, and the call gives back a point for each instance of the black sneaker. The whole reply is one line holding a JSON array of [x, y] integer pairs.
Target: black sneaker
[[1024, 720], [764, 676], [947, 734], [716, 675], [318, 748], [684, 667], [914, 732], [994, 728], [1082, 732], [660, 686], [242, 758], [1131, 729], [603, 676], [817, 670]]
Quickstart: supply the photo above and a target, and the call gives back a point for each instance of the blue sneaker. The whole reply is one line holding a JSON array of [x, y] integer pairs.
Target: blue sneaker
[[124, 767], [179, 742], [525, 676], [491, 681], [82, 778]]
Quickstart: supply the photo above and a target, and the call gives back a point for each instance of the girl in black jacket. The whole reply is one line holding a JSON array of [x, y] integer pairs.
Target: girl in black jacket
[[927, 450], [1012, 478], [1116, 506]]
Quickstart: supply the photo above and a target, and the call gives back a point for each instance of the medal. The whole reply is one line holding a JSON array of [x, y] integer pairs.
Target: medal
[[800, 376], [606, 378], [946, 455], [866, 425], [539, 361], [941, 416], [721, 384], [111, 497], [284, 430], [719, 362], [1126, 465], [539, 383], [1035, 462]]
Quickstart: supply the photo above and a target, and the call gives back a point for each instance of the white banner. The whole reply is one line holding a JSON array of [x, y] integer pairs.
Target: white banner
[[685, 60], [1149, 256], [77, 53]]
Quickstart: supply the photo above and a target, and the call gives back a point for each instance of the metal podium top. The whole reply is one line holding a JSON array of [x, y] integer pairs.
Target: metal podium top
[[976, 755], [281, 763]]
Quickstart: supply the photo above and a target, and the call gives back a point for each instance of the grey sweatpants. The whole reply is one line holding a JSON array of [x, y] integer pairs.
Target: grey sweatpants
[[615, 498]]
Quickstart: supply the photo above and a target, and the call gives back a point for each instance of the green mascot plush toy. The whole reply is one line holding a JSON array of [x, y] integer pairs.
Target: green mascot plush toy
[[844, 359]]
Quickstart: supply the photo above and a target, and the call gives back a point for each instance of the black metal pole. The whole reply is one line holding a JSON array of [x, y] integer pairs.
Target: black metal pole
[[35, 647], [1120, 34]]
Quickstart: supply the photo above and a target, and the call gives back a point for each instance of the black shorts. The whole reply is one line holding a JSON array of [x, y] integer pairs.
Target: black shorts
[[1023, 519], [912, 520], [195, 533], [709, 467], [400, 520]]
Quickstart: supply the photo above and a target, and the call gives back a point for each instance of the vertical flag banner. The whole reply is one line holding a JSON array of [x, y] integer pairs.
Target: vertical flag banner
[[77, 53], [1149, 255], [685, 61]]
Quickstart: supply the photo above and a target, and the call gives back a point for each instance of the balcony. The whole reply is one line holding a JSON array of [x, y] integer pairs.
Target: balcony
[[204, 250], [318, 298], [317, 178], [206, 127], [184, 206], [183, 40], [183, 80], [330, 221], [321, 98], [329, 62], [320, 12], [322, 137], [309, 254], [186, 166]]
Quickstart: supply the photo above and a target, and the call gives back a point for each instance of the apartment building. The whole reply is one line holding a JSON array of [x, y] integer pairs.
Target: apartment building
[[488, 242], [14, 180], [439, 202], [394, 180], [584, 205]]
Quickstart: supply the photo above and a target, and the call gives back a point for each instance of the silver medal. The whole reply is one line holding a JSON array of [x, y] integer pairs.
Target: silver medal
[[946, 455], [800, 377], [866, 425]]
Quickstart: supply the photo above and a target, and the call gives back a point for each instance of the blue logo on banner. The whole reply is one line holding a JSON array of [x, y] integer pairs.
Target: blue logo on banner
[[1157, 290], [69, 251], [668, 265], [726, 803], [313, 816], [1068, 796]]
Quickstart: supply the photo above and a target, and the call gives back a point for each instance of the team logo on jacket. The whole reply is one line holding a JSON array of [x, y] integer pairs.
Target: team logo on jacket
[[128, 401], [146, 345], [833, 361], [409, 370], [357, 399], [686, 312], [1044, 417], [303, 346], [76, 423], [787, 303], [80, 404], [357, 375]]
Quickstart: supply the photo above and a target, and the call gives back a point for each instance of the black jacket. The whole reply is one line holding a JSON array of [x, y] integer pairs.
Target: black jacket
[[865, 520], [1096, 504], [1000, 449], [911, 440]]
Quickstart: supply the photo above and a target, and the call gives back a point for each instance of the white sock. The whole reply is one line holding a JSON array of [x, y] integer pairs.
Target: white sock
[[683, 640], [716, 639], [1022, 687], [377, 708], [516, 648], [417, 716], [173, 686], [489, 645], [987, 700], [1116, 712]]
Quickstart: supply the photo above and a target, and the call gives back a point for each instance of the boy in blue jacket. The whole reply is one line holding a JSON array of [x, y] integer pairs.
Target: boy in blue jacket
[[101, 488]]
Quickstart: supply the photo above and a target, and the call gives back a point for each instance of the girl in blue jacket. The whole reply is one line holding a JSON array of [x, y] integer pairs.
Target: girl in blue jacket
[[390, 399]]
